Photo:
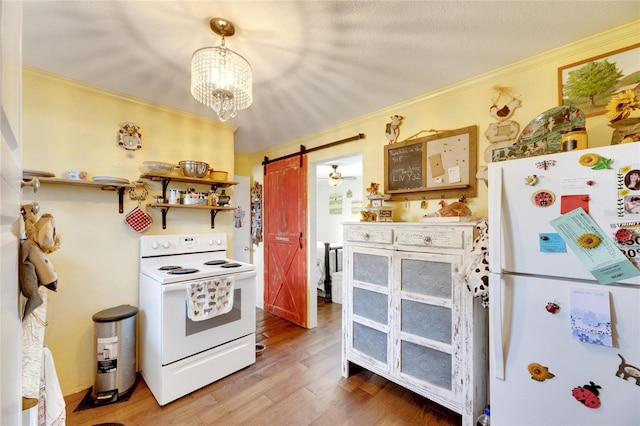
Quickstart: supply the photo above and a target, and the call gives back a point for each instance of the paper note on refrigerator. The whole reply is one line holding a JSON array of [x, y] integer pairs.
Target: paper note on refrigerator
[[591, 316], [604, 260]]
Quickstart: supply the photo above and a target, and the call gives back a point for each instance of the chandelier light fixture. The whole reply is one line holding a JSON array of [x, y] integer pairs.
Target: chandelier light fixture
[[220, 78]]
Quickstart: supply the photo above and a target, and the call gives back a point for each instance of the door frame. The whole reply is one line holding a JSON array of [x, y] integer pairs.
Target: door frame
[[312, 224], [312, 242]]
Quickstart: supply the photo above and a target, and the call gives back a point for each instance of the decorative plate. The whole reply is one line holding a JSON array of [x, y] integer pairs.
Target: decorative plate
[[109, 179], [543, 134], [129, 136], [36, 173]]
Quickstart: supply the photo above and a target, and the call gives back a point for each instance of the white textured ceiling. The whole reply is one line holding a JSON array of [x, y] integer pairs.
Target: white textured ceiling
[[315, 63]]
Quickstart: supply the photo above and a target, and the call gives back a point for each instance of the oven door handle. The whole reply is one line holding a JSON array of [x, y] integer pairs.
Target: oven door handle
[[169, 288]]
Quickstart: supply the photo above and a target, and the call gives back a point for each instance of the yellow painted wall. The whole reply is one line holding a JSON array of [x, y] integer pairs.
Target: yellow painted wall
[[533, 80], [68, 125]]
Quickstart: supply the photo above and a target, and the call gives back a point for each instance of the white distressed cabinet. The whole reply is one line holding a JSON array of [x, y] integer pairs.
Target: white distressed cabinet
[[408, 318]]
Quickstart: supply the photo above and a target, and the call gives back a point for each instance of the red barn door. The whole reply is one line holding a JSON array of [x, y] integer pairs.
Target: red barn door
[[285, 226]]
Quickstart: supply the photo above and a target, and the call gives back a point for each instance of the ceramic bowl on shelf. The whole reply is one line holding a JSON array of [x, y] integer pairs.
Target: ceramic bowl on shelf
[[159, 166], [192, 168], [218, 175]]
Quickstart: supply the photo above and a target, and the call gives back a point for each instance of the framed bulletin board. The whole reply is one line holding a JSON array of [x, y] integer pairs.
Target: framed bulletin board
[[436, 166]]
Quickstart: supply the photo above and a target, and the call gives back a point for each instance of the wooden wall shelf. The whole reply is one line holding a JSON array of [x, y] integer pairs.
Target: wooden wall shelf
[[166, 179], [119, 187], [159, 177]]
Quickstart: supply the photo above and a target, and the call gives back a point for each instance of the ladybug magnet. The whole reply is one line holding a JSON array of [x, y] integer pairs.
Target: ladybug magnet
[[552, 307], [623, 235], [543, 198], [587, 395]]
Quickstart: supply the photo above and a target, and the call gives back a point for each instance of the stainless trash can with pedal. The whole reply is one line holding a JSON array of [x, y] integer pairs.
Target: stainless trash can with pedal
[[115, 352]]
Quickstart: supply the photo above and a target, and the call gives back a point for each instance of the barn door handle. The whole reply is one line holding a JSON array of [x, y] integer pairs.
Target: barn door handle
[[300, 240]]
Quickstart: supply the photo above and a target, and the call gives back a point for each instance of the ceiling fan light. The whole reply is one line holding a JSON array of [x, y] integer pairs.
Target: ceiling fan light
[[334, 181], [220, 78], [335, 177]]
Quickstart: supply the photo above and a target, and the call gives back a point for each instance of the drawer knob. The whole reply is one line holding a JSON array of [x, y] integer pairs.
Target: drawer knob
[[427, 240], [367, 236]]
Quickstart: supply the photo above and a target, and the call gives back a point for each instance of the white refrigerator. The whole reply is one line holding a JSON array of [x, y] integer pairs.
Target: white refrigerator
[[564, 285]]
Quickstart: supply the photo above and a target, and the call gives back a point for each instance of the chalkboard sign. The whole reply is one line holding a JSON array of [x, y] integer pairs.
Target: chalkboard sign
[[405, 166], [442, 165]]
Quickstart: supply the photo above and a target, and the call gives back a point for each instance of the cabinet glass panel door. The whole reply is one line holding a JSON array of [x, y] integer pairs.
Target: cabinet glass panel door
[[371, 268], [428, 277], [428, 321], [371, 305], [426, 364], [368, 303], [426, 317], [370, 342]]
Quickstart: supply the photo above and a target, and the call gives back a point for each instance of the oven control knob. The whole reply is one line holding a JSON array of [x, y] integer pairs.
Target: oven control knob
[[166, 244], [219, 242], [154, 245]]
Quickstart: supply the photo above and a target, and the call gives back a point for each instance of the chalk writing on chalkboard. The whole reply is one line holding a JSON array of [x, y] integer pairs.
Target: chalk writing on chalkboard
[[405, 167]]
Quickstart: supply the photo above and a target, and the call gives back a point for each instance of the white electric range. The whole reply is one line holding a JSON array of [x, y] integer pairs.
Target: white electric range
[[179, 355]]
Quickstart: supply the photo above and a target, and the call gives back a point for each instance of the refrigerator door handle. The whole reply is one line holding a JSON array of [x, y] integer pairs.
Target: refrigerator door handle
[[495, 179], [495, 319], [495, 230]]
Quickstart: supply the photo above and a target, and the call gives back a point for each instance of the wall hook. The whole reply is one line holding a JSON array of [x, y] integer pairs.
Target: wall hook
[[35, 183]]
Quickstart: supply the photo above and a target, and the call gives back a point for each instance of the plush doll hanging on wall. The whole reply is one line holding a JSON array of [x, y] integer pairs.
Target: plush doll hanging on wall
[[37, 276], [35, 268]]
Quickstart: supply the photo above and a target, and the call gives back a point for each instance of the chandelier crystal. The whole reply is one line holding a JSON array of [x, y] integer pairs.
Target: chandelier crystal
[[220, 78]]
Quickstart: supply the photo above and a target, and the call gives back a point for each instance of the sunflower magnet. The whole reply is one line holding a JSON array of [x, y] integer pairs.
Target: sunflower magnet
[[589, 241], [595, 161], [539, 372]]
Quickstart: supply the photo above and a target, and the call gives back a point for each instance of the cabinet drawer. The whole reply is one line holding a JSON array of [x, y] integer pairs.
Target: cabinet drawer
[[369, 234], [446, 238]]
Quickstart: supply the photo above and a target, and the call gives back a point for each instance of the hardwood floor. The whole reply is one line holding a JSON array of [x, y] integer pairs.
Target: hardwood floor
[[295, 381]]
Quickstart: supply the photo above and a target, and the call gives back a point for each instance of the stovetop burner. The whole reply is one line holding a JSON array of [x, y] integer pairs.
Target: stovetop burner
[[183, 271], [169, 268], [230, 265], [215, 262]]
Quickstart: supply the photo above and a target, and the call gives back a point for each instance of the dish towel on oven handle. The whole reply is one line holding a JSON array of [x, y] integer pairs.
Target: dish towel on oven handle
[[209, 298]]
